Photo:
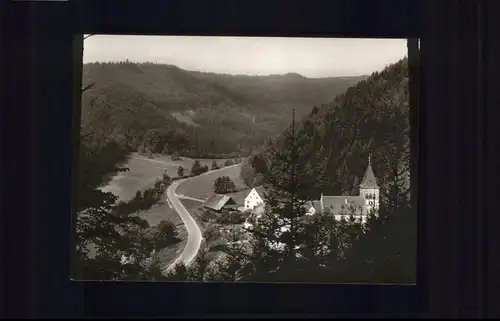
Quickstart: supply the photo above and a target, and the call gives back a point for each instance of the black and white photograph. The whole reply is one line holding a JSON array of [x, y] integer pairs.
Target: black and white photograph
[[244, 159]]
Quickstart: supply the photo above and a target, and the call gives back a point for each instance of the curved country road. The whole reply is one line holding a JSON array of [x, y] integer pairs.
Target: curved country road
[[194, 233]]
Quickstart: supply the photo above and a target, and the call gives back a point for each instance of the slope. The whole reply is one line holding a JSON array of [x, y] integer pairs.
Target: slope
[[370, 117], [165, 108]]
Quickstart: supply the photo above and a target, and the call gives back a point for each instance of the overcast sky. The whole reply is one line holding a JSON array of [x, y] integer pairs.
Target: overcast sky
[[310, 57]]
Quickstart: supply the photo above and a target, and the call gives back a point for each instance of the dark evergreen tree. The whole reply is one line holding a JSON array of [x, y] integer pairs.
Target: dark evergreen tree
[[180, 171], [234, 259], [196, 169], [282, 228]]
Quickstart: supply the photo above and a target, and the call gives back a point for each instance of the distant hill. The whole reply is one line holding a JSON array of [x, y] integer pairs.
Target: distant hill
[[154, 107], [370, 117]]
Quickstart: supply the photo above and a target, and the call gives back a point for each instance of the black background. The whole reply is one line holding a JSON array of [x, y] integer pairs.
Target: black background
[[457, 265]]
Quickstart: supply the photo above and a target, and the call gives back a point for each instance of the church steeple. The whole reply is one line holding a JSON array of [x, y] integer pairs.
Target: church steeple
[[369, 188], [369, 180]]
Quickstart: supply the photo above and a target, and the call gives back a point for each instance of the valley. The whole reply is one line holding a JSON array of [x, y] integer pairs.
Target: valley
[[197, 176]]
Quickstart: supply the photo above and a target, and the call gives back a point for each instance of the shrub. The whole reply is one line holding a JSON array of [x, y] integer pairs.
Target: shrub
[[196, 169], [208, 215], [165, 234], [229, 218], [180, 171], [223, 185]]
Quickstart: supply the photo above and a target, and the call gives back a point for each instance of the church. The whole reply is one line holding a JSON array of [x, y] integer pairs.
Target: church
[[359, 206], [340, 206]]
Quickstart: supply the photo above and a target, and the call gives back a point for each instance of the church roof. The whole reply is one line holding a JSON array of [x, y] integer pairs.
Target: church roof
[[344, 203], [312, 204], [369, 180]]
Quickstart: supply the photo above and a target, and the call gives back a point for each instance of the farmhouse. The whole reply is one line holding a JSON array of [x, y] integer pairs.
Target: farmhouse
[[340, 206], [255, 198], [218, 202]]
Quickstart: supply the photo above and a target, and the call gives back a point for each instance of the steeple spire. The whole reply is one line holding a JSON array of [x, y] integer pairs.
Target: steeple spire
[[369, 180]]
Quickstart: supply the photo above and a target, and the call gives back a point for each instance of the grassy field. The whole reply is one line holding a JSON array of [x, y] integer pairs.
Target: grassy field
[[202, 186], [195, 209], [144, 171]]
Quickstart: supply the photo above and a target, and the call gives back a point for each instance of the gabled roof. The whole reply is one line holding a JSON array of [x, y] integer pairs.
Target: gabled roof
[[316, 205], [261, 191], [312, 204], [239, 197], [369, 180], [217, 201], [345, 203]]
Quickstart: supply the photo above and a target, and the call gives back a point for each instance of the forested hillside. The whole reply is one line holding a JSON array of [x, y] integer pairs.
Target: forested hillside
[[328, 152], [370, 117], [162, 108]]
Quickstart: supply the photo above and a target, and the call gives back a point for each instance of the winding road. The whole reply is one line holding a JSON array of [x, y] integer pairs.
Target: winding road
[[194, 233]]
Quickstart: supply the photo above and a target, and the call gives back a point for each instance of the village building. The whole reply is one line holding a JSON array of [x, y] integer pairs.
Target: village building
[[359, 206], [218, 202], [255, 198]]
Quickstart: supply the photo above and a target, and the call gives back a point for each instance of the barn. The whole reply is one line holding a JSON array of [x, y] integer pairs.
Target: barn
[[218, 202]]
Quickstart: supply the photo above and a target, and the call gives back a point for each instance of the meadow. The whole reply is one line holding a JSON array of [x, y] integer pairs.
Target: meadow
[[144, 171], [201, 187]]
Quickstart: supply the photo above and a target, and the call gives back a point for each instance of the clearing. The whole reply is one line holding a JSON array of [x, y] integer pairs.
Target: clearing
[[144, 171], [202, 186]]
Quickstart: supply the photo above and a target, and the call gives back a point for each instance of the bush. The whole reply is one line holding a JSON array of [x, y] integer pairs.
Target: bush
[[228, 163], [229, 218], [214, 165], [180, 171], [196, 169], [165, 234], [208, 215]]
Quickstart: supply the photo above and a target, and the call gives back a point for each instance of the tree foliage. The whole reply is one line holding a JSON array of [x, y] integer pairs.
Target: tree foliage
[[324, 152], [180, 171], [327, 152], [197, 169], [370, 117], [224, 185], [166, 109]]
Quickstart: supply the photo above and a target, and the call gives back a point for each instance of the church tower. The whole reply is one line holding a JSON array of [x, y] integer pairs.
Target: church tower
[[369, 188]]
